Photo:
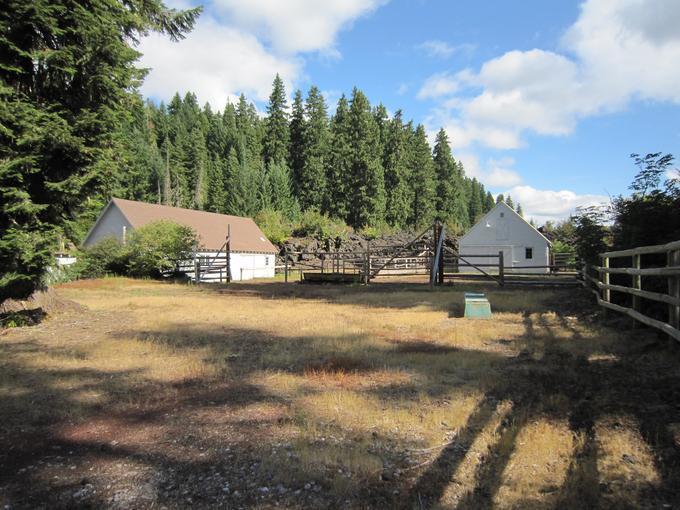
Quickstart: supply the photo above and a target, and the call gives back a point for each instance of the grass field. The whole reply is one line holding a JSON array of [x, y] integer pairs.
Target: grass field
[[269, 395]]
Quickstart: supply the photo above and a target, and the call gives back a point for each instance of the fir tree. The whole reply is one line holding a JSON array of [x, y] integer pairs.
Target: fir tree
[[490, 202], [312, 185], [475, 205], [367, 185], [509, 201], [277, 135], [339, 165], [519, 210], [423, 185], [280, 190], [395, 163], [296, 148], [450, 192], [500, 198]]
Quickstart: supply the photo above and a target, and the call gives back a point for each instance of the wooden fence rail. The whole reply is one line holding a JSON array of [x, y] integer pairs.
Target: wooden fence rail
[[603, 288]]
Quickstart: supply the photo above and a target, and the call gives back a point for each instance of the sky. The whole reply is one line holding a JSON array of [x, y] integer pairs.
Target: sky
[[544, 101]]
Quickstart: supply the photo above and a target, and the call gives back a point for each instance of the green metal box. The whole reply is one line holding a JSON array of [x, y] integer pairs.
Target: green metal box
[[477, 306]]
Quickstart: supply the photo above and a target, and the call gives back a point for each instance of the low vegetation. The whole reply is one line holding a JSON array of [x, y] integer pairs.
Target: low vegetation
[[356, 397]]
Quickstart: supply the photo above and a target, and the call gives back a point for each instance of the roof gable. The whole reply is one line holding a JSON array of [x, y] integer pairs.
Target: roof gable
[[211, 228], [502, 205]]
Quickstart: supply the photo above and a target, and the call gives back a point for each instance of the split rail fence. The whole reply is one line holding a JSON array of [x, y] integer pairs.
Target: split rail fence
[[598, 279]]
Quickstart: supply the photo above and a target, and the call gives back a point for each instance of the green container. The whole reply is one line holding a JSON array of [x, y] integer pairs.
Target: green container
[[477, 306]]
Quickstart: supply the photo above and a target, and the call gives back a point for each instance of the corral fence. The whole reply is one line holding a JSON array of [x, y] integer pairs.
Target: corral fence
[[648, 274], [362, 265]]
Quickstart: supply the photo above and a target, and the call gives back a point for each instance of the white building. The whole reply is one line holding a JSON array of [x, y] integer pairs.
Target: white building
[[251, 253], [503, 230]]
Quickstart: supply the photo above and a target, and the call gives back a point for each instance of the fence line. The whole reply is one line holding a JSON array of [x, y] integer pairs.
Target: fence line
[[602, 288]]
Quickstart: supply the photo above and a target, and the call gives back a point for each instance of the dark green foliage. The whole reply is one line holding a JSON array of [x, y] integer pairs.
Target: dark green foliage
[[396, 171], [367, 184], [277, 134], [519, 209], [475, 206], [280, 192], [451, 203], [296, 149], [490, 202], [422, 177], [108, 256], [67, 70], [312, 184], [339, 163], [590, 234], [508, 200], [500, 198]]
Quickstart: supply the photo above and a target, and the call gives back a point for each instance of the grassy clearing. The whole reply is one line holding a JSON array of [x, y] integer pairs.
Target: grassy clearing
[[379, 396]]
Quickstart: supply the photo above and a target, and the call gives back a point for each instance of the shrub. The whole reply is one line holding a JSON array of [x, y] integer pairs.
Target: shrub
[[313, 223], [108, 256], [274, 225], [155, 249], [376, 231]]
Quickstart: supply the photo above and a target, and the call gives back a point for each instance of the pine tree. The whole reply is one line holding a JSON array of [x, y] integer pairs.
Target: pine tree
[[500, 198], [490, 202], [475, 205], [339, 164], [277, 135], [312, 186], [296, 148], [244, 186], [423, 181], [367, 184], [509, 201], [450, 188], [281, 192], [519, 210], [395, 163]]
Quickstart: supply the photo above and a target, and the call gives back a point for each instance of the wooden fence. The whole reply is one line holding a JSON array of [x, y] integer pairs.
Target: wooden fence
[[603, 288]]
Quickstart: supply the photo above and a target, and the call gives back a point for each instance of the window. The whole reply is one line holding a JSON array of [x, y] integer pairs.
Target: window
[[528, 253], [502, 215], [266, 261]]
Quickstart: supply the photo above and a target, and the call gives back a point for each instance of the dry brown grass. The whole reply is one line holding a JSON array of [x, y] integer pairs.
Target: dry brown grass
[[383, 391]]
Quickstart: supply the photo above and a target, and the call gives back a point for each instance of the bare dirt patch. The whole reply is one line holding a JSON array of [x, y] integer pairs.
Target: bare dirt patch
[[151, 395]]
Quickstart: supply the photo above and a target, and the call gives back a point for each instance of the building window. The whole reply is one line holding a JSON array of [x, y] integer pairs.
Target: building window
[[528, 253], [266, 261], [502, 215]]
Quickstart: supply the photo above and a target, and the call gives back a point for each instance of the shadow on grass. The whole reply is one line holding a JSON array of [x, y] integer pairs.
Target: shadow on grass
[[38, 406]]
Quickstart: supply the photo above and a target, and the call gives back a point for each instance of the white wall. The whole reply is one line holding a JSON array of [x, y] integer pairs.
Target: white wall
[[244, 266], [504, 230], [110, 225]]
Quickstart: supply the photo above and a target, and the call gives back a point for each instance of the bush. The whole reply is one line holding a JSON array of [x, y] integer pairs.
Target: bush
[[274, 225], [156, 248], [108, 256], [313, 223], [376, 231]]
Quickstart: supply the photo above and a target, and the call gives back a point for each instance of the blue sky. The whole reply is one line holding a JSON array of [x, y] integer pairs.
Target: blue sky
[[542, 100]]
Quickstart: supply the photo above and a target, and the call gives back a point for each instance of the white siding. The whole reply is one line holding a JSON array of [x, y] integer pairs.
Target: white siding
[[111, 224], [244, 266], [501, 229]]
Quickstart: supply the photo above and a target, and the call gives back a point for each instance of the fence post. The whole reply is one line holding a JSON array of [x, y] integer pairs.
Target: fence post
[[228, 250], [604, 278], [368, 261], [442, 232], [637, 284], [285, 271], [501, 268], [197, 270], [673, 258]]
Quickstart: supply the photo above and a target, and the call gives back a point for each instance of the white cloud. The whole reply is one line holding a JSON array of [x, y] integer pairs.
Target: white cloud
[[549, 205], [402, 89], [438, 85], [497, 173], [297, 26], [216, 62], [442, 49], [238, 47], [617, 51]]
